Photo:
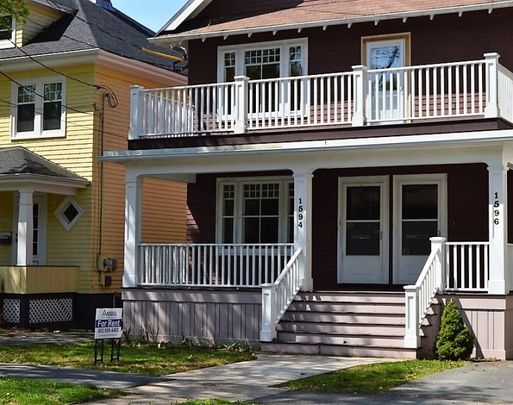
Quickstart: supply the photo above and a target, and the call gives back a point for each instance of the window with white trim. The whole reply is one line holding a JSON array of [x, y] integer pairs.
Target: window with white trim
[[68, 213], [255, 211], [7, 31], [39, 108], [267, 60]]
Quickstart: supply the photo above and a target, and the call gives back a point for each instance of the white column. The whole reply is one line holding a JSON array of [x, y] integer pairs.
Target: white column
[[411, 333], [498, 229], [136, 112], [360, 92], [241, 104], [25, 228], [438, 245], [268, 331], [492, 84], [303, 224], [133, 210]]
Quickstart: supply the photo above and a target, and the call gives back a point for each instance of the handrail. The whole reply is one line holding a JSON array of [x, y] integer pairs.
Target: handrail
[[277, 297], [419, 296]]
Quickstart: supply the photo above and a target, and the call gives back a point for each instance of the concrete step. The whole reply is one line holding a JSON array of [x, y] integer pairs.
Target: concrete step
[[339, 308], [355, 318], [336, 350], [352, 297], [342, 328], [343, 340]]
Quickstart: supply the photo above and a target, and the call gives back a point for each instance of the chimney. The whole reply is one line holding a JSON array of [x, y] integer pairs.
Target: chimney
[[106, 4]]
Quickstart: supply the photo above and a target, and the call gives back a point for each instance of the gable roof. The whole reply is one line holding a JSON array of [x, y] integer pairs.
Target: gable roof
[[203, 21], [86, 26], [19, 161]]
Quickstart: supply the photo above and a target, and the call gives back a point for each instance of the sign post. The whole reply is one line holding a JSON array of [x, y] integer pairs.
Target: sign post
[[108, 325]]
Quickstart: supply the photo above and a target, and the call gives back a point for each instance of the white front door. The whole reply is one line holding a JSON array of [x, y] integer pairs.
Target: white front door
[[363, 234], [39, 231], [386, 88], [420, 213]]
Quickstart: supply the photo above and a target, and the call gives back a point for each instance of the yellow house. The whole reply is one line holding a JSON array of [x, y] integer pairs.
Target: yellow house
[[65, 84]]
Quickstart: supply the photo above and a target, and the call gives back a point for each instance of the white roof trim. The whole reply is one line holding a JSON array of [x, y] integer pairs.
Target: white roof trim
[[190, 9], [178, 38]]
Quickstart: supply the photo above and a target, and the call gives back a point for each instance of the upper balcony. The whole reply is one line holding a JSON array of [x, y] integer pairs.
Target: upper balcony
[[361, 98]]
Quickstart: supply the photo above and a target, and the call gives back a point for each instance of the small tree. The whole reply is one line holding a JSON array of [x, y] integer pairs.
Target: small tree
[[16, 8], [454, 340]]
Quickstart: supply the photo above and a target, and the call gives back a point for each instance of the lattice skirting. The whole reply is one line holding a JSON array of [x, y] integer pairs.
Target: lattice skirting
[[33, 310]]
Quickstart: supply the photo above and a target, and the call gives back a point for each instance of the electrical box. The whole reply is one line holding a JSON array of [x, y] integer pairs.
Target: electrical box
[[105, 263], [105, 281]]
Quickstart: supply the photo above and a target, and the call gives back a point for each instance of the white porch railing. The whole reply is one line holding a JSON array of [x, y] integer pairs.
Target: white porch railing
[[211, 265], [276, 297], [451, 266], [480, 88]]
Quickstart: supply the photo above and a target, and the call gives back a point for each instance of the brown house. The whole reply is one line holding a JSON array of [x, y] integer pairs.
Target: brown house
[[347, 169]]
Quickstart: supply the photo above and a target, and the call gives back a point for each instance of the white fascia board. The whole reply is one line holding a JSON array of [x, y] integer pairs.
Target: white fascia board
[[189, 10], [42, 184], [23, 63], [409, 141], [180, 38], [139, 68]]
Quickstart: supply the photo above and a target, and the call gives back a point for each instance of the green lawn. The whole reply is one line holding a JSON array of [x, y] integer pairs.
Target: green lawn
[[372, 378], [149, 359], [23, 391]]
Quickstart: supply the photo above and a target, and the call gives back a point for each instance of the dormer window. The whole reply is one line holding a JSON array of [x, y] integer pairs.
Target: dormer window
[[39, 108], [7, 31], [268, 60]]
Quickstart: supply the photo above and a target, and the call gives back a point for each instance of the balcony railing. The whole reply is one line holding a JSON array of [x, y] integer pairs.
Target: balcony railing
[[481, 88]]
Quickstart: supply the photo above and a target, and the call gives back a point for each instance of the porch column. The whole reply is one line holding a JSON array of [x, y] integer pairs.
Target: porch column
[[133, 209], [303, 223], [25, 228], [498, 229]]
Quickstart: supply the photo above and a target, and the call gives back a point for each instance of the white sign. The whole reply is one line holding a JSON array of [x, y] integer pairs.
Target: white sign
[[108, 323]]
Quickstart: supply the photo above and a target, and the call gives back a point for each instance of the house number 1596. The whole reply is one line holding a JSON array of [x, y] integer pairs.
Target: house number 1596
[[496, 211], [300, 215]]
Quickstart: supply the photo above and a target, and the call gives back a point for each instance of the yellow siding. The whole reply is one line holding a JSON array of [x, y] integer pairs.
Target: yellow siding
[[164, 202], [40, 18], [38, 280], [6, 201]]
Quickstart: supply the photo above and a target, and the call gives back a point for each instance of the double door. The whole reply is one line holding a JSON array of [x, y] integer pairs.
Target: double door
[[385, 223]]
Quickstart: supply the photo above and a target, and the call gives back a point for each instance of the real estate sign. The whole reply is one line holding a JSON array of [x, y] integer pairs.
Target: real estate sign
[[108, 323]]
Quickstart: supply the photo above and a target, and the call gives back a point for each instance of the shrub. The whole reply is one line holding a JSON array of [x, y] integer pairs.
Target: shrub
[[454, 340]]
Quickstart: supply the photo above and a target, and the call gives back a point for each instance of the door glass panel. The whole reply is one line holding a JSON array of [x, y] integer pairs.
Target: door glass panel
[[416, 236], [419, 218], [420, 201], [385, 57], [363, 203], [363, 224], [363, 239]]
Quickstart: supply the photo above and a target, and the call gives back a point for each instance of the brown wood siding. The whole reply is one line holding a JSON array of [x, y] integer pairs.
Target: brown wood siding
[[467, 209], [447, 38]]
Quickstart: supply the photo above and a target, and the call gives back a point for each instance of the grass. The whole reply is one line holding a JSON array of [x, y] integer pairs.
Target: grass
[[23, 391], [149, 359], [371, 378]]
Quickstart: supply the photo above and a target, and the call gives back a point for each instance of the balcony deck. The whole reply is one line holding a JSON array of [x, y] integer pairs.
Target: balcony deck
[[459, 95]]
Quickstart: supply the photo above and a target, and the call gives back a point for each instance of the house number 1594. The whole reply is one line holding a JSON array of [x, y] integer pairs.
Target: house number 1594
[[300, 215], [496, 211]]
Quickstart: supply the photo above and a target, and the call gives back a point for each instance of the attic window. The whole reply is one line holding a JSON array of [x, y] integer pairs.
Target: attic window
[[68, 213], [7, 32]]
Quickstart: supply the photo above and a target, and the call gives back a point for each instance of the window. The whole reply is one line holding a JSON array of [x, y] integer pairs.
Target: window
[[7, 31], [256, 211], [68, 213], [263, 61], [39, 108]]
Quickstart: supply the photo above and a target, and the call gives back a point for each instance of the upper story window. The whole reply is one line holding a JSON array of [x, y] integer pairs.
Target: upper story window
[[266, 60], [7, 31], [39, 110]]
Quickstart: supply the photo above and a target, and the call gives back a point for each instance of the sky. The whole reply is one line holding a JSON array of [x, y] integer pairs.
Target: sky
[[151, 13]]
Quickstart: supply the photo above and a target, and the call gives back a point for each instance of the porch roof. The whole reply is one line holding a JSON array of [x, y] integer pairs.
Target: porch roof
[[21, 167]]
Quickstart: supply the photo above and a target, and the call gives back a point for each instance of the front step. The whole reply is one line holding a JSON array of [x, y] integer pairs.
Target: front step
[[364, 323]]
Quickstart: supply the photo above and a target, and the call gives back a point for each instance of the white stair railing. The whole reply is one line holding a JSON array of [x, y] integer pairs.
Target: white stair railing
[[277, 297], [420, 295], [467, 266]]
